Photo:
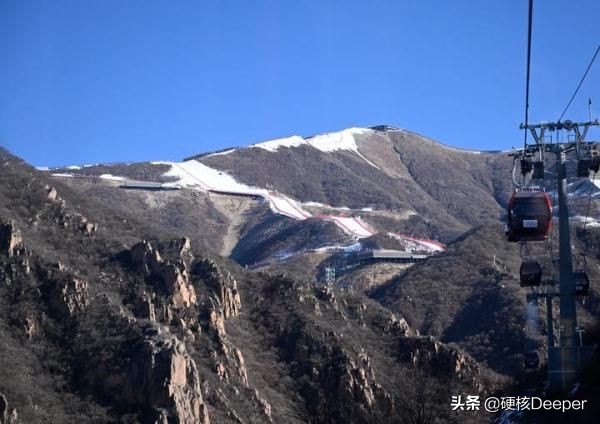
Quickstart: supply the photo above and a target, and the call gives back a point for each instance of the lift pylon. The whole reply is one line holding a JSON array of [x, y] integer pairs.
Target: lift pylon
[[566, 359]]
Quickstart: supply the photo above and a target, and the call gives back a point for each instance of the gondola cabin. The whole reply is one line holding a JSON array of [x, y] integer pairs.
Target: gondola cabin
[[530, 273], [582, 283], [532, 360], [529, 216]]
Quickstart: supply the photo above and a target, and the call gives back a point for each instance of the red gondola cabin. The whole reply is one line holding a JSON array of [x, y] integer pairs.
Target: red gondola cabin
[[529, 216]]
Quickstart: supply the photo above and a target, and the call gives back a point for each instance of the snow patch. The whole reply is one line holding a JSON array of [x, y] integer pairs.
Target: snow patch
[[325, 206], [328, 142], [224, 152], [588, 221], [341, 140], [111, 177], [73, 167], [196, 175], [42, 168], [458, 149], [350, 225], [63, 175], [193, 174], [356, 247], [274, 145], [416, 244], [286, 206]]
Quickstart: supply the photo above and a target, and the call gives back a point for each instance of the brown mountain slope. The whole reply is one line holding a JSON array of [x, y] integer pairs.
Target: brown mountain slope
[[98, 326]]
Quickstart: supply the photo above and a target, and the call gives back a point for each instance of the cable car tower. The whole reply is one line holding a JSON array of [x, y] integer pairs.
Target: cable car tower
[[530, 217], [566, 358]]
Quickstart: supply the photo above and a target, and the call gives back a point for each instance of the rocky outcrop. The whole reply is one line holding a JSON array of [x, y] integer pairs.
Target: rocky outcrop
[[144, 257], [164, 377], [440, 358], [8, 415], [343, 382], [397, 326], [11, 241], [51, 193], [176, 284], [18, 269], [30, 328], [172, 276], [222, 302], [262, 405], [349, 382], [222, 284], [68, 296], [144, 307], [88, 228]]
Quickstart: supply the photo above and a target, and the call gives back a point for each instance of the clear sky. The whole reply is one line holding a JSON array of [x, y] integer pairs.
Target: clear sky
[[131, 80]]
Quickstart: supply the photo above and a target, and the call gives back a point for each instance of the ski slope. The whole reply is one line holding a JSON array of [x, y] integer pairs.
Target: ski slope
[[351, 225], [412, 243], [195, 175]]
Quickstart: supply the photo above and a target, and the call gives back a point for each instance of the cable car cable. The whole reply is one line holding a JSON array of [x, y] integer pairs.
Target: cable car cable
[[580, 82], [529, 26]]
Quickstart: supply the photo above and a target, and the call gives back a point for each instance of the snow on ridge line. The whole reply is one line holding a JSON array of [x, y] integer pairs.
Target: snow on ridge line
[[274, 145], [224, 152], [328, 142]]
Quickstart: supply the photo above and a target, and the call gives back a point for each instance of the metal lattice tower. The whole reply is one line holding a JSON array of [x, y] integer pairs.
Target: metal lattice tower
[[567, 358]]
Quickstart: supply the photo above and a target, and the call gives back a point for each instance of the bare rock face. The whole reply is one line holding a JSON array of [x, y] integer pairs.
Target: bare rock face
[[176, 283], [165, 378], [88, 228], [11, 242], [240, 366], [173, 276], [184, 247], [356, 381], [217, 323], [7, 415], [144, 308], [30, 328], [144, 257], [342, 379], [398, 326], [263, 405], [68, 296], [223, 285], [442, 359], [52, 193]]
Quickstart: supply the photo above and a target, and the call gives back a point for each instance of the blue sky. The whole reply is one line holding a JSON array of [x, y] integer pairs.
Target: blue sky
[[114, 80]]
